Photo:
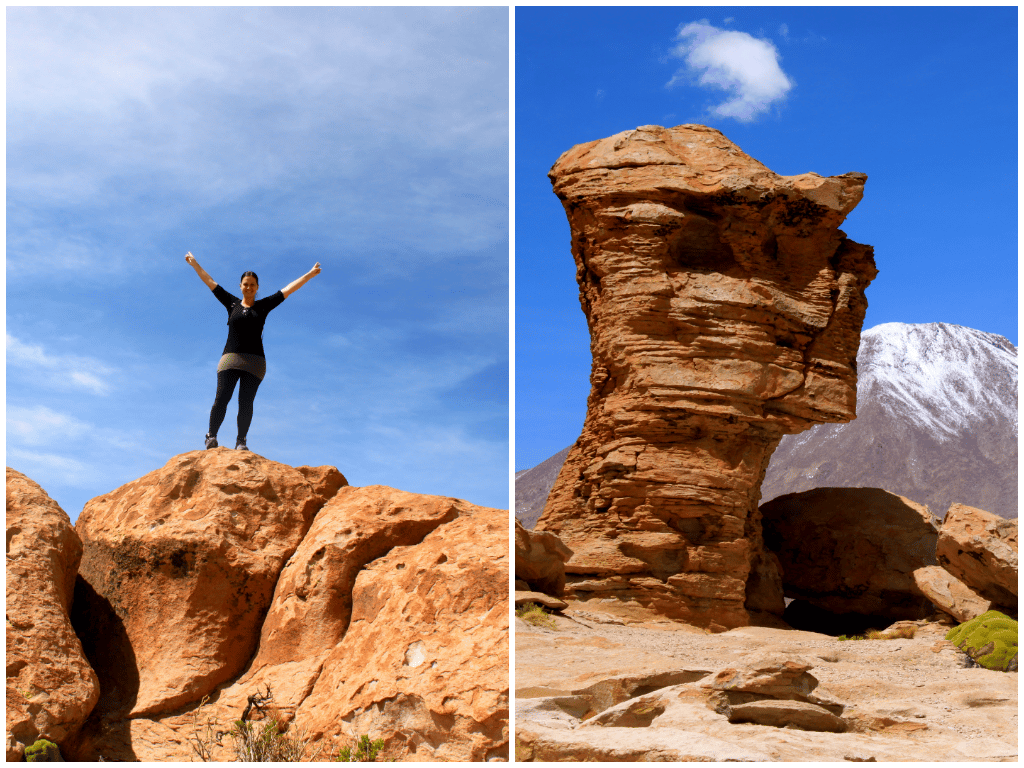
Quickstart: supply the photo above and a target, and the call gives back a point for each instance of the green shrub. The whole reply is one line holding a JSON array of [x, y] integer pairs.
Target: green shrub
[[43, 751], [534, 614], [366, 751], [990, 639]]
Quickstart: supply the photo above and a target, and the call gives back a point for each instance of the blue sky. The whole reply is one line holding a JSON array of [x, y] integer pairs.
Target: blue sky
[[374, 141], [923, 100]]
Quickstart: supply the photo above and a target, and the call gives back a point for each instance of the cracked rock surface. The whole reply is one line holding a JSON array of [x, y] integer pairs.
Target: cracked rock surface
[[725, 308], [752, 694]]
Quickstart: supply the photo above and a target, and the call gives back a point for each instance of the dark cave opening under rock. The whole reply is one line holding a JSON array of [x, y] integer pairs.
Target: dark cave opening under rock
[[802, 615]]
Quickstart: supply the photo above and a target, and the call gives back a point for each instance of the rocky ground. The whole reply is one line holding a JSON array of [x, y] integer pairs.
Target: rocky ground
[[604, 684]]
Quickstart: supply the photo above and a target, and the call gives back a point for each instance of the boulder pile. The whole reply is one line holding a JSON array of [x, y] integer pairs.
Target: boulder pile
[[224, 576]]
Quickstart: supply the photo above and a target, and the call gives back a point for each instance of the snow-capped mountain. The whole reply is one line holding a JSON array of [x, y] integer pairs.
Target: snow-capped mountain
[[936, 422]]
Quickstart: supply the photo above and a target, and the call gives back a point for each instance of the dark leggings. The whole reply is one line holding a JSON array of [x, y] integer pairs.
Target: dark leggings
[[246, 394]]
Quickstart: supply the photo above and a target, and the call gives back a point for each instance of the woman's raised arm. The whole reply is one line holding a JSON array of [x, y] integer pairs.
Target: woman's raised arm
[[210, 282], [293, 286]]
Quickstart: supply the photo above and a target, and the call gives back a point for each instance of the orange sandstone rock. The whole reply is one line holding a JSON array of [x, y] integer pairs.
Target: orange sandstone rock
[[424, 663], [949, 594], [725, 308], [50, 686], [179, 570], [390, 619], [980, 549]]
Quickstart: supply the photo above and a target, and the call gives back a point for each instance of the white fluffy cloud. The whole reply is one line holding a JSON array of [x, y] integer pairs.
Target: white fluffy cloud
[[60, 371], [743, 66]]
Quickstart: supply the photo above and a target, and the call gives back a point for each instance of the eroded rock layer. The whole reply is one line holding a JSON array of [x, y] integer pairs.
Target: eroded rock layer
[[725, 309]]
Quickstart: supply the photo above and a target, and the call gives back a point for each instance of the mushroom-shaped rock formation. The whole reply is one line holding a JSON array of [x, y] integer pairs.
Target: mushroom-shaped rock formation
[[725, 309]]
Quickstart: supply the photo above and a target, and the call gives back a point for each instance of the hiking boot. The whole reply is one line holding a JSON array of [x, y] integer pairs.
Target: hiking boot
[[240, 444], [211, 441]]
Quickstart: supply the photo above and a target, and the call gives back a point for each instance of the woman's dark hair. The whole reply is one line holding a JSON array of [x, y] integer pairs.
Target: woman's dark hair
[[249, 274]]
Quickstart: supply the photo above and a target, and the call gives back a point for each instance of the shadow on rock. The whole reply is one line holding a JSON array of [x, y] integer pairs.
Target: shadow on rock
[[109, 651]]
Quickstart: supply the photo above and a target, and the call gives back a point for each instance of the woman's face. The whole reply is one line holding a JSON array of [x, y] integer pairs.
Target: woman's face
[[249, 286]]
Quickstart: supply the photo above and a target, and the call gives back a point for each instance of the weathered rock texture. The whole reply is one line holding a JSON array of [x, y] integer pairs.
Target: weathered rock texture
[[540, 560], [424, 663], [980, 549], [364, 610], [725, 309], [50, 686], [852, 550]]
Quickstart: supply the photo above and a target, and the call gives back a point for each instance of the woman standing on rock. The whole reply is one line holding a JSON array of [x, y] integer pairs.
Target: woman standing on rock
[[243, 359]]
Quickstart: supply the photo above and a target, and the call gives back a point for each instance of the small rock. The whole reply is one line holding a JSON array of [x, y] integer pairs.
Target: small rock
[[950, 594], [540, 560], [522, 598], [783, 714]]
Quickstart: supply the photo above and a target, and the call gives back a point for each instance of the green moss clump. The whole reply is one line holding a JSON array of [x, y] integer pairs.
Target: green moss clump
[[43, 751], [990, 639]]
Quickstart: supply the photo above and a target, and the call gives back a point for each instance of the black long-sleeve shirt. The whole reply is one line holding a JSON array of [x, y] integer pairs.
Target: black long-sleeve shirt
[[245, 324]]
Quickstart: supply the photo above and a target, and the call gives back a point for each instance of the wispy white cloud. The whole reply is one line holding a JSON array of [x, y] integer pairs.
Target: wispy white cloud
[[784, 31], [59, 371], [138, 118], [746, 67], [55, 467], [40, 425]]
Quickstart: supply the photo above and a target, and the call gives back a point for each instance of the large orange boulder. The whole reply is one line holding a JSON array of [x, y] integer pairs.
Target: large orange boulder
[[179, 570], [725, 309], [853, 550], [980, 549], [389, 618], [424, 662], [51, 689]]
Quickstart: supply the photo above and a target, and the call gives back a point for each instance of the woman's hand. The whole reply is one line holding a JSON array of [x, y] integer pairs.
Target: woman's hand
[[293, 286], [210, 282]]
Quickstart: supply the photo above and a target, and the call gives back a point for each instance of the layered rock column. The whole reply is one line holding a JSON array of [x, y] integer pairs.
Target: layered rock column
[[725, 309]]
